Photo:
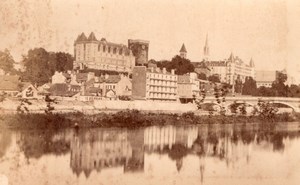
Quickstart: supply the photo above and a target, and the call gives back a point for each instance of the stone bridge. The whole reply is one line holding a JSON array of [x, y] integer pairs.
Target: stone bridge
[[293, 103]]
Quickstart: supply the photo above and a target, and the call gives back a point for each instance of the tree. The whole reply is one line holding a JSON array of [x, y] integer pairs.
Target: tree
[[294, 91], [37, 68], [249, 87], [181, 65], [214, 78], [7, 62], [202, 76], [40, 65], [278, 86], [265, 91], [64, 61], [238, 85]]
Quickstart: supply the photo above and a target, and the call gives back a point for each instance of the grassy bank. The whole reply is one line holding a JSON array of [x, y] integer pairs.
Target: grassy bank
[[129, 119]]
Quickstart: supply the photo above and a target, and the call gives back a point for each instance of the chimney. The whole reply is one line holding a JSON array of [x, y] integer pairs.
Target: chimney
[[152, 69], [173, 71], [164, 70]]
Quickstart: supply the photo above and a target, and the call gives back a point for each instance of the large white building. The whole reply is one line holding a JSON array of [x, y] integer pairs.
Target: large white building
[[154, 84], [101, 54], [229, 69]]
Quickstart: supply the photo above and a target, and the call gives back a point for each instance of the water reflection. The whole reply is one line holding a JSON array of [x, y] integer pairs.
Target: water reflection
[[218, 148]]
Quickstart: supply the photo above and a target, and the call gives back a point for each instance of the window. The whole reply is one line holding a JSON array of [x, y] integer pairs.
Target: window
[[108, 49], [99, 47], [121, 51], [104, 48], [114, 50]]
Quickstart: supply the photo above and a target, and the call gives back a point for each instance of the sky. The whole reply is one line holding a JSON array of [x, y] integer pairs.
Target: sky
[[267, 31]]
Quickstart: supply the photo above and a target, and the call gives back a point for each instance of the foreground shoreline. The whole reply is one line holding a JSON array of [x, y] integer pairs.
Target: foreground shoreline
[[129, 119]]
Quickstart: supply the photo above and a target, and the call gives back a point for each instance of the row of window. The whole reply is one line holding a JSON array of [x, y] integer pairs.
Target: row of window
[[163, 89], [161, 76], [162, 96], [162, 83]]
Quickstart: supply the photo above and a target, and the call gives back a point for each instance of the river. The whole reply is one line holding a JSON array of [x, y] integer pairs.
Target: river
[[175, 155]]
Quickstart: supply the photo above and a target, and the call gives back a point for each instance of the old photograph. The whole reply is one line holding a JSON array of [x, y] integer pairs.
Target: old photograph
[[169, 92]]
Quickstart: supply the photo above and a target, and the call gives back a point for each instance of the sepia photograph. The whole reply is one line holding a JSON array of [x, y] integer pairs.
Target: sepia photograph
[[169, 92]]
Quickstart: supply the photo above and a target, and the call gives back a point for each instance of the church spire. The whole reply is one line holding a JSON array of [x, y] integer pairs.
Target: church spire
[[251, 63], [206, 48], [183, 51]]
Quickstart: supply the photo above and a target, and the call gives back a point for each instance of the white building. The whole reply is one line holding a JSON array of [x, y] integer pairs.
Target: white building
[[102, 55]]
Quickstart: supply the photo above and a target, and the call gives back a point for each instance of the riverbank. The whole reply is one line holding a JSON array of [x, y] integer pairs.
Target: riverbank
[[128, 119]]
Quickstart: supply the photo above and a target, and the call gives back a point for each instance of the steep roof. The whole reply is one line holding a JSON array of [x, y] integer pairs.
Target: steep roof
[[9, 82], [183, 49], [81, 37], [92, 37]]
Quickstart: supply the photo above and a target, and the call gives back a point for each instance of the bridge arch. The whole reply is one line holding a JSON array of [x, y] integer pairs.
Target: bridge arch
[[228, 106], [284, 103]]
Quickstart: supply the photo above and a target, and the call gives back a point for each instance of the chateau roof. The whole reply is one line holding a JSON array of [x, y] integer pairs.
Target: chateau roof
[[183, 49], [81, 37], [92, 37]]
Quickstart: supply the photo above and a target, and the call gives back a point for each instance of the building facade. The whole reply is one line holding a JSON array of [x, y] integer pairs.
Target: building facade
[[265, 78], [188, 87], [102, 55], [154, 84], [231, 69]]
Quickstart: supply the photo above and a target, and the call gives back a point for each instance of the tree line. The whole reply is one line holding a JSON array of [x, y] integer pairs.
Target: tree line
[[39, 64]]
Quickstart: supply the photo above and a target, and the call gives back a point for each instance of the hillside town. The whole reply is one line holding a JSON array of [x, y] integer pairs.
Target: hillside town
[[102, 70]]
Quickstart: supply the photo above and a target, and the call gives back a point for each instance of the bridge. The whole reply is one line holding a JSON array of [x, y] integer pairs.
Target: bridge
[[293, 103]]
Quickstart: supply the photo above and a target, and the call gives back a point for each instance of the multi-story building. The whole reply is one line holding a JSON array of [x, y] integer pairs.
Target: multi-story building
[[231, 69], [101, 54], [139, 49], [154, 84], [188, 87]]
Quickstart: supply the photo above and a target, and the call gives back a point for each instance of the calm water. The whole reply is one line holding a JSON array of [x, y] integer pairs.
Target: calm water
[[206, 154]]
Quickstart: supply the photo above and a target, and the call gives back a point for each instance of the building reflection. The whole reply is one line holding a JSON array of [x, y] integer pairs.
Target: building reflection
[[100, 149]]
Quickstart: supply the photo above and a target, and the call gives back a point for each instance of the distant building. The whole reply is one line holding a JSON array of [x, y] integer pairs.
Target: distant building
[[265, 78], [154, 84], [102, 55], [188, 87], [200, 67], [29, 91], [232, 68], [183, 51], [140, 50]]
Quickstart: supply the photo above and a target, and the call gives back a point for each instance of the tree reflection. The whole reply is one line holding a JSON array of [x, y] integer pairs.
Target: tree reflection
[[5, 141]]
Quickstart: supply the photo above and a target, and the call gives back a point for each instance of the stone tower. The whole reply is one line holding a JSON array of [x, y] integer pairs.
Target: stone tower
[[183, 51]]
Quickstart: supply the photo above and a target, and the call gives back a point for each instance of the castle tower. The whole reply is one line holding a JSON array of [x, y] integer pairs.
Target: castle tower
[[206, 49], [183, 51]]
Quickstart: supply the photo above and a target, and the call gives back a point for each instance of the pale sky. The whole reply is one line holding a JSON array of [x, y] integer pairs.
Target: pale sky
[[268, 30]]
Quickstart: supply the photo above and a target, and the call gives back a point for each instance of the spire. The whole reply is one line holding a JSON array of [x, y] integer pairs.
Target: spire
[[231, 57], [183, 51], [251, 63], [206, 48]]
